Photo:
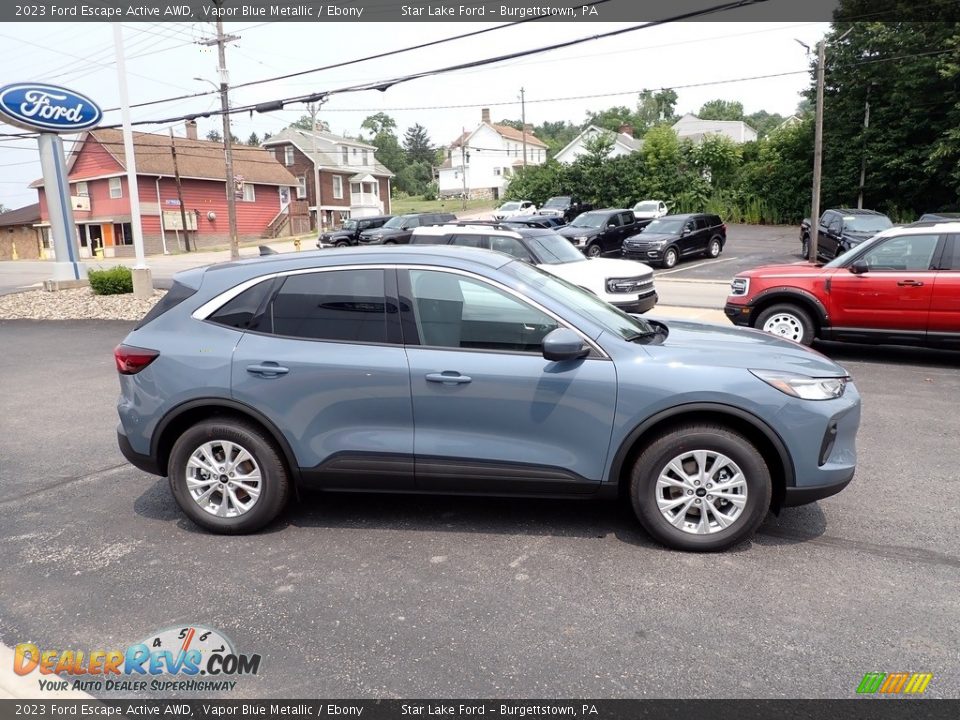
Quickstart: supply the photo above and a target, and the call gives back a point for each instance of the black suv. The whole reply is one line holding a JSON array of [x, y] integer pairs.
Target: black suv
[[350, 231], [600, 231], [842, 229], [397, 230], [564, 206], [665, 240]]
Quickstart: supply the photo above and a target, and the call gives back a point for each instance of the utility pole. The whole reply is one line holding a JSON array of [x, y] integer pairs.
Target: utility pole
[[176, 177], [863, 159], [817, 156], [221, 41], [464, 157], [312, 108], [523, 122], [142, 280]]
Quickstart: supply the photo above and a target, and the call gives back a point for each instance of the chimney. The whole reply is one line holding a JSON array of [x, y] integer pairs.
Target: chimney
[[528, 128], [626, 129], [485, 115], [191, 126]]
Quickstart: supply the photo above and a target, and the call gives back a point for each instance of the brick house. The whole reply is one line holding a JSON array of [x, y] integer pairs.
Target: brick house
[[353, 183], [100, 197], [20, 235]]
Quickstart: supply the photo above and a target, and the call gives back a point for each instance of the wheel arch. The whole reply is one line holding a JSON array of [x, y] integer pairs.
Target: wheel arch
[[766, 439], [808, 301], [177, 420]]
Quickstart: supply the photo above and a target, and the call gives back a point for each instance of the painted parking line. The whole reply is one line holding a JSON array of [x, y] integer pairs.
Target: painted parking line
[[699, 264]]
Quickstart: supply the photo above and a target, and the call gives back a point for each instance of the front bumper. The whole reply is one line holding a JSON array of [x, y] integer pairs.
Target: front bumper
[[738, 314], [142, 462], [641, 305], [648, 255], [794, 496]]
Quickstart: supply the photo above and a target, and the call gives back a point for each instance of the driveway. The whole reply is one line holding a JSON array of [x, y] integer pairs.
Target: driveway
[[393, 596]]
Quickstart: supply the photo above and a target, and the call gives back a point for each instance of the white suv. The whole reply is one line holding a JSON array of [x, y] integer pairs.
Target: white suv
[[514, 208], [626, 284]]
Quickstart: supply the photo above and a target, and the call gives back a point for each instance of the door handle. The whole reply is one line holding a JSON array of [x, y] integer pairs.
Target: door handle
[[267, 369], [910, 283], [448, 377]]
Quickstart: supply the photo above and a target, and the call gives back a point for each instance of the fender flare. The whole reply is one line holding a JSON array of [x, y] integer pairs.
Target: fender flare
[[793, 294]]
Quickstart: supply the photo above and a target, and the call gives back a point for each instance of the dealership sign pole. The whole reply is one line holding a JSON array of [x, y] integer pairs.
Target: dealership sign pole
[[51, 110]]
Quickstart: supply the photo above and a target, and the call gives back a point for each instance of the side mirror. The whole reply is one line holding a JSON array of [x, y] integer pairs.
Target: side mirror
[[564, 344], [611, 224], [858, 267]]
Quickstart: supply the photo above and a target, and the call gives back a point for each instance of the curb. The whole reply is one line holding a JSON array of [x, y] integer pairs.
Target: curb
[[20, 687]]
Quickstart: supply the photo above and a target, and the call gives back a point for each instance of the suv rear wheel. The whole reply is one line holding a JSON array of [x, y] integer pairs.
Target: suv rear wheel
[[700, 487], [787, 320], [713, 250], [228, 477]]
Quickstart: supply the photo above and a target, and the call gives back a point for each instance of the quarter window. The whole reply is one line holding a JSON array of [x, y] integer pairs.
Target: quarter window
[[240, 312], [907, 253], [453, 311], [951, 261], [342, 305]]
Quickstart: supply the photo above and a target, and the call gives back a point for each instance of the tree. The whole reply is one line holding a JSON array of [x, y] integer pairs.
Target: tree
[[417, 145], [253, 140], [612, 118], [376, 124], [305, 122], [721, 110], [388, 150], [597, 147], [764, 122], [215, 136], [654, 108]]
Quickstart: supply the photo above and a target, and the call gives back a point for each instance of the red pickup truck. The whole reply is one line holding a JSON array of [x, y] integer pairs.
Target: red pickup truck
[[900, 287]]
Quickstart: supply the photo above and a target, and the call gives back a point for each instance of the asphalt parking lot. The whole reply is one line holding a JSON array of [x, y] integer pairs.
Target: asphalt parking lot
[[387, 596]]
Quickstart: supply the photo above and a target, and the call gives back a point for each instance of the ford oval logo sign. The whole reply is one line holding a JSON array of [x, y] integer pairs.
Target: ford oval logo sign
[[48, 108]]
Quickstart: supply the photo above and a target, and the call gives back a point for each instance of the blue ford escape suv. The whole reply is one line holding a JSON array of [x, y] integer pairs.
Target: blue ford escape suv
[[438, 370]]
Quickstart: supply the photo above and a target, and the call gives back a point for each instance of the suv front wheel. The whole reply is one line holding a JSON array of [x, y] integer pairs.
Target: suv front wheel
[[700, 487], [788, 321], [228, 477]]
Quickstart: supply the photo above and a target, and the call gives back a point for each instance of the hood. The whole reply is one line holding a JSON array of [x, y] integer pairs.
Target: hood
[[743, 348], [648, 236], [568, 232], [799, 270], [598, 270]]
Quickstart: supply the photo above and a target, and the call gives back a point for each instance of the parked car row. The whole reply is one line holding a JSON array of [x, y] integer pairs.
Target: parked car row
[[381, 230]]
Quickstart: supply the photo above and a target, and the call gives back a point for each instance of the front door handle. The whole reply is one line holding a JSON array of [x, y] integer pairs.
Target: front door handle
[[448, 377], [267, 369], [910, 283]]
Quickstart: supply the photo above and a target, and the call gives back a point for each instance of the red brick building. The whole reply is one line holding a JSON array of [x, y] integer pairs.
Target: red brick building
[[100, 196], [353, 183]]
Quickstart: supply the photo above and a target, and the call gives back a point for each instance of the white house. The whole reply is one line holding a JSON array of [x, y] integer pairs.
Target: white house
[[624, 143], [693, 128], [481, 161]]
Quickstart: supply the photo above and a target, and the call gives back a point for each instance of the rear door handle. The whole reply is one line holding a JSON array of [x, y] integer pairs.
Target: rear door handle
[[910, 283], [448, 377], [267, 369]]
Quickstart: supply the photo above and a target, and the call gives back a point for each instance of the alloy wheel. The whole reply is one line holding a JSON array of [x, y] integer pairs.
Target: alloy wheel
[[701, 492], [223, 478]]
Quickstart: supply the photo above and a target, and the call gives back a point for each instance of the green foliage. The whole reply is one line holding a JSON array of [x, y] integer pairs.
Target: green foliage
[[654, 108], [417, 145], [721, 110], [379, 123], [253, 140], [115, 281]]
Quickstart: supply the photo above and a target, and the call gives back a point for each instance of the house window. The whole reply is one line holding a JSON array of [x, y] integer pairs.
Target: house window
[[345, 155], [496, 171], [116, 189], [301, 187], [366, 157], [338, 186], [123, 234], [288, 155], [248, 193], [81, 190], [354, 188]]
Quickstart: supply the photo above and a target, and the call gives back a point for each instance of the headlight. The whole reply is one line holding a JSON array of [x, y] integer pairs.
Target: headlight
[[803, 386], [580, 239], [740, 286]]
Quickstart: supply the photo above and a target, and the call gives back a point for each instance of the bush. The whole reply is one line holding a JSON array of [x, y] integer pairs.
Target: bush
[[115, 281]]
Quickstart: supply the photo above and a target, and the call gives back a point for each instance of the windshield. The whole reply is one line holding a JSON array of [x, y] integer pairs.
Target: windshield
[[561, 201], [646, 207], [866, 223], [589, 220], [667, 226], [510, 206], [552, 249], [349, 225], [586, 303], [394, 222]]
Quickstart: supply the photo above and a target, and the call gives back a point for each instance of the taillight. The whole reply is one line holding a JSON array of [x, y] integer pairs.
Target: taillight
[[131, 360]]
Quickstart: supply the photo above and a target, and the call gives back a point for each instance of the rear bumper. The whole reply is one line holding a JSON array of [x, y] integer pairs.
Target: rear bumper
[[142, 462], [739, 314], [638, 306], [794, 496]]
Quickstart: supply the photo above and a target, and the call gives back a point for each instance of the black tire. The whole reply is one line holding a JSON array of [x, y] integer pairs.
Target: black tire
[[389, 242], [593, 250], [714, 248], [342, 244], [712, 438], [274, 484], [670, 257], [794, 323]]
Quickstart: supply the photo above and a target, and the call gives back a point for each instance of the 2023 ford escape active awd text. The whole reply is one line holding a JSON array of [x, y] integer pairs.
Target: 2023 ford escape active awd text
[[460, 370]]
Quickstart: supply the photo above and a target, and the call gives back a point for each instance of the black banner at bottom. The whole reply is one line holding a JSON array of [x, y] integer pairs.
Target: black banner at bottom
[[855, 709]]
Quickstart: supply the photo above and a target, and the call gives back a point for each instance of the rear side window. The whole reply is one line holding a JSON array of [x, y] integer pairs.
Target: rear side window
[[343, 305], [703, 223], [951, 260], [425, 239], [239, 312], [468, 240], [175, 295]]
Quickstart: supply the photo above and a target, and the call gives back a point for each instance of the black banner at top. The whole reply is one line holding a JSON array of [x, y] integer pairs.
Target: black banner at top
[[494, 11]]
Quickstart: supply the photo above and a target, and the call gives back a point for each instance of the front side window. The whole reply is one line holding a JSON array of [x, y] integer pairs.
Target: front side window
[[341, 305], [453, 311], [510, 246], [907, 253], [116, 188]]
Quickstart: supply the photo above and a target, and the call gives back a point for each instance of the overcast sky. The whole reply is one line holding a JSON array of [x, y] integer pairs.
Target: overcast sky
[[164, 59]]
